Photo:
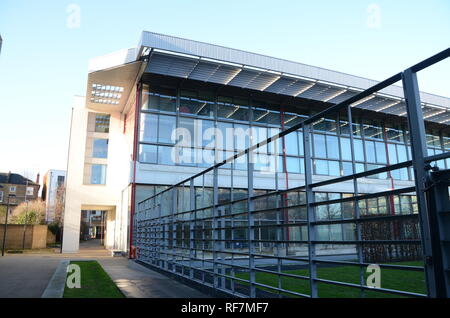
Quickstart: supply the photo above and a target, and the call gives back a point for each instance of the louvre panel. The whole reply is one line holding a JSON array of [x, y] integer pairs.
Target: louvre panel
[[261, 81], [295, 88], [314, 91], [181, 68], [342, 97], [330, 91], [375, 103], [397, 109], [223, 74], [208, 71], [243, 78], [280, 85], [444, 117], [203, 71], [159, 64]]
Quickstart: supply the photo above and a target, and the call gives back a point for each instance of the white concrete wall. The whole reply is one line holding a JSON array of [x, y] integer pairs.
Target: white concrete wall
[[100, 197]]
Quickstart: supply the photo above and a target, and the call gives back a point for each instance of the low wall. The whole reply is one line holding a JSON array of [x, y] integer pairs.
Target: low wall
[[36, 236]]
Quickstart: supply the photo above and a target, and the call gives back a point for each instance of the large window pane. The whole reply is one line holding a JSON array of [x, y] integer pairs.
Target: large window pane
[[191, 104], [167, 125], [226, 130], [380, 148], [162, 99], [292, 165], [333, 168], [320, 150], [370, 151], [165, 155], [291, 144], [332, 147], [148, 153], [300, 142], [346, 150], [148, 128], [392, 153], [321, 167], [358, 148], [100, 148], [401, 151], [98, 174]]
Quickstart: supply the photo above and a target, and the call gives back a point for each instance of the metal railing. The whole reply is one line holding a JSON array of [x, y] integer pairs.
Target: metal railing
[[240, 246]]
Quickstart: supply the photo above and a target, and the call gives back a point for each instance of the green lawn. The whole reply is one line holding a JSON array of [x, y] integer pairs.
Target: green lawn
[[411, 281], [95, 283]]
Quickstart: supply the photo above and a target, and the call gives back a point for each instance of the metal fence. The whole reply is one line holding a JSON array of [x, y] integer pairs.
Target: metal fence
[[262, 234]]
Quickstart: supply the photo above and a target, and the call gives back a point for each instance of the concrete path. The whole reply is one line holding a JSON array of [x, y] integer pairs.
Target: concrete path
[[27, 275], [137, 281]]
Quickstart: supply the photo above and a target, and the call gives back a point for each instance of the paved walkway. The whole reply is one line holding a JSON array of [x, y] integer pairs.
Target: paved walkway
[[137, 281], [27, 275]]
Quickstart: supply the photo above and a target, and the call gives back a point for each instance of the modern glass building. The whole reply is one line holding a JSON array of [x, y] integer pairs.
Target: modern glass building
[[163, 112]]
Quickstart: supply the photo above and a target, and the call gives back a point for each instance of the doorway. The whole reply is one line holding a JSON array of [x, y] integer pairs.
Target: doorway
[[93, 228]]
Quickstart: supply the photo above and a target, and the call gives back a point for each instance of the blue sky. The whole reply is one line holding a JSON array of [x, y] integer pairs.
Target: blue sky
[[43, 62]]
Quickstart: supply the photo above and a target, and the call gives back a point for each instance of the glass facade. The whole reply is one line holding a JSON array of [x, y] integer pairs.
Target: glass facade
[[376, 143]]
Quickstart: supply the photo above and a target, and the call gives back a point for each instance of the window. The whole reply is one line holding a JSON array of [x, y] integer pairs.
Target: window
[[321, 167], [60, 181], [100, 148], [332, 147], [372, 129], [370, 151], [102, 123], [358, 148], [320, 149], [12, 189], [160, 99], [148, 153], [292, 165], [291, 144], [346, 149], [1, 196], [196, 104], [98, 174], [232, 108], [165, 155], [29, 191], [149, 128], [166, 126]]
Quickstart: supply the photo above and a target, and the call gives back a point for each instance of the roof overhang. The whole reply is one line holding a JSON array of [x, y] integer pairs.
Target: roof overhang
[[203, 69], [112, 76], [108, 90]]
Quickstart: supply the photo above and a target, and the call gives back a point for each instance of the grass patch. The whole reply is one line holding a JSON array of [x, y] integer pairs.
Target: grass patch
[[95, 283], [410, 281]]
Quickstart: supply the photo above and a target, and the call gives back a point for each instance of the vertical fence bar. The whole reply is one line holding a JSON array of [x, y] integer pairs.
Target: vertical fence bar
[[355, 202], [250, 224], [310, 215], [419, 151], [216, 242], [191, 228]]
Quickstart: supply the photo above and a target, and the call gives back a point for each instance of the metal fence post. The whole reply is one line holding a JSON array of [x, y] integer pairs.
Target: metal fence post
[[310, 215], [251, 223], [419, 151]]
